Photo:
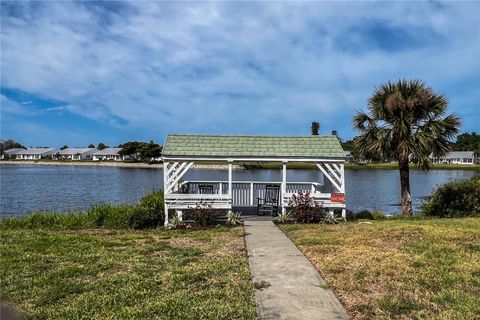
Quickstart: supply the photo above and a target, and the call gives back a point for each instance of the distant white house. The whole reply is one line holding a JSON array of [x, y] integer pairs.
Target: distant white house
[[455, 157], [74, 154], [34, 153], [10, 153], [349, 157], [108, 154]]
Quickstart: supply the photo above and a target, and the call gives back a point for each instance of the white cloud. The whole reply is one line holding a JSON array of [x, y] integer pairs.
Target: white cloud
[[230, 67]]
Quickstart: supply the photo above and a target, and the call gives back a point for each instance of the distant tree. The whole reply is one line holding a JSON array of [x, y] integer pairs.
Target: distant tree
[[64, 147], [467, 142], [315, 128], [131, 149], [406, 119], [9, 144], [101, 146], [91, 145], [150, 151]]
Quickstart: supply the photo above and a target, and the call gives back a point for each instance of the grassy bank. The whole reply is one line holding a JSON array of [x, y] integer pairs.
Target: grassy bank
[[353, 166], [126, 274], [409, 269]]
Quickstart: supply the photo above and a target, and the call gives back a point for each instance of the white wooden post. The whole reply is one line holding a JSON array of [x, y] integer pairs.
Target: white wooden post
[[284, 184], [220, 188], [230, 178], [342, 174], [251, 193], [165, 191]]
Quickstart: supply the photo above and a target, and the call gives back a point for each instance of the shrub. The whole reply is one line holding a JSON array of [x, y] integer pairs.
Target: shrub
[[204, 214], [454, 199], [149, 213], [108, 215], [364, 214], [284, 217], [304, 207], [233, 218], [378, 215]]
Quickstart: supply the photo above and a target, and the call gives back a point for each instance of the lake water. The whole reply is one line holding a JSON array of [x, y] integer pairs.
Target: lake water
[[26, 188]]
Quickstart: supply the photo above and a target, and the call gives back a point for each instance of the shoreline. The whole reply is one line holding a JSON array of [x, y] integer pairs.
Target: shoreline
[[263, 166], [113, 164]]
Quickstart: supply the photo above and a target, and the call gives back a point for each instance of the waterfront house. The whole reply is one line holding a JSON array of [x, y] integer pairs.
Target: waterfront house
[[75, 154], [108, 154], [349, 157], [455, 157], [34, 153], [10, 153], [180, 152]]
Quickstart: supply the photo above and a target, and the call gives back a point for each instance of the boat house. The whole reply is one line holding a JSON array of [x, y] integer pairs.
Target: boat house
[[180, 152]]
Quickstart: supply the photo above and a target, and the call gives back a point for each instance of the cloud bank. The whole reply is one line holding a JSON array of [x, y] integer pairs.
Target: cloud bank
[[139, 70]]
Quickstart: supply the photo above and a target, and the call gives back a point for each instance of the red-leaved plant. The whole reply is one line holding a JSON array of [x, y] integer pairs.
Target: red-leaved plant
[[304, 207]]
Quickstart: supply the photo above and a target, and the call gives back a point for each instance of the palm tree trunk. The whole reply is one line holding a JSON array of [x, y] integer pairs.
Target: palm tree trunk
[[405, 187]]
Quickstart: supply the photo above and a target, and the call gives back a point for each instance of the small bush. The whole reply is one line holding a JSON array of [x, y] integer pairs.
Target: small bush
[[367, 215], [108, 215], [233, 218], [378, 215], [284, 217], [454, 199], [204, 214], [149, 213], [304, 208], [364, 214]]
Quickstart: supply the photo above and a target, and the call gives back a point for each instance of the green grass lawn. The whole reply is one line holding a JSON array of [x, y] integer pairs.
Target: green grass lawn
[[402, 269], [125, 274]]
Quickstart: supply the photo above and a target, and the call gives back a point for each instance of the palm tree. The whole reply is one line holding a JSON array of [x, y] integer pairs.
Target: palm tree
[[405, 120]]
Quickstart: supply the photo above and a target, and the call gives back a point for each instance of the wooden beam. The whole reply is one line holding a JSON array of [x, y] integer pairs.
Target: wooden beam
[[181, 173], [175, 174], [326, 174], [165, 205], [284, 184], [230, 191], [333, 172]]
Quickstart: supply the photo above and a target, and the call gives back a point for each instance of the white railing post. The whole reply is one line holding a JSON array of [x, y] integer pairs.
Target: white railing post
[[230, 177], [251, 193], [284, 184], [220, 188], [165, 191]]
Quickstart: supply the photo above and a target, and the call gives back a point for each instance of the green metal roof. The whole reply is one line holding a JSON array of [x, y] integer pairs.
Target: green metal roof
[[252, 146]]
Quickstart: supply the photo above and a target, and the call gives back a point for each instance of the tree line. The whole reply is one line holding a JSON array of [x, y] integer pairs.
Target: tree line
[[134, 150], [468, 141]]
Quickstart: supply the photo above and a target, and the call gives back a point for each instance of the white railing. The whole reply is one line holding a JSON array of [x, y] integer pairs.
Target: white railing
[[323, 199], [188, 201], [246, 193]]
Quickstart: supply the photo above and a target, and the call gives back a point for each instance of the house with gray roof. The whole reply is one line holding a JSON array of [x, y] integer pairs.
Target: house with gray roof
[[75, 154], [34, 153], [10, 153], [108, 154], [455, 157]]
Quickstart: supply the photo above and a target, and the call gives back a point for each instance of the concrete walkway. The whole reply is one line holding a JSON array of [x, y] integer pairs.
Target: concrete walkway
[[293, 289]]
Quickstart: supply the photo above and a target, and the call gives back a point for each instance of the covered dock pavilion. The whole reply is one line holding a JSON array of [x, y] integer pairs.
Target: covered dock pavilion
[[181, 151]]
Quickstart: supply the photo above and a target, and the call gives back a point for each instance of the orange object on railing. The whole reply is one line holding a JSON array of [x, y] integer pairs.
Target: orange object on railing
[[337, 197]]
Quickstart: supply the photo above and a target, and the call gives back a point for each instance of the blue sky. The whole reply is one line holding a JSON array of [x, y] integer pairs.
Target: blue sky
[[87, 72]]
